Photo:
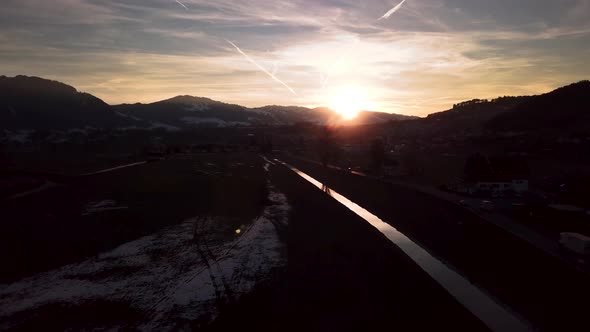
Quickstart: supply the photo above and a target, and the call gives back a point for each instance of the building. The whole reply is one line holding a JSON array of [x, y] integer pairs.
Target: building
[[497, 176]]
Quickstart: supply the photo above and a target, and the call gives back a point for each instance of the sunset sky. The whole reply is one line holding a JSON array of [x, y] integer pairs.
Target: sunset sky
[[421, 59]]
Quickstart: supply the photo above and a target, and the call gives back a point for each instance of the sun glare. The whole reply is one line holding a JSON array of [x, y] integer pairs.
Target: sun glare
[[348, 102]]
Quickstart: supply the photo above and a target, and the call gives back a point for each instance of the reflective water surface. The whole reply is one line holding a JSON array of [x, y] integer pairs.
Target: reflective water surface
[[495, 315]]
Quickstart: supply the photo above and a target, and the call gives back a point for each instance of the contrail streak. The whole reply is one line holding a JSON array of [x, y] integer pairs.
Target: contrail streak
[[324, 80], [260, 67], [180, 3], [392, 10]]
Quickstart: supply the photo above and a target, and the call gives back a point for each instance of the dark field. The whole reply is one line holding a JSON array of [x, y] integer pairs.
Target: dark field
[[60, 225], [546, 292], [340, 273]]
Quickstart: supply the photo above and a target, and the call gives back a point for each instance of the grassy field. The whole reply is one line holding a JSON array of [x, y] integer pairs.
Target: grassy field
[[70, 222]]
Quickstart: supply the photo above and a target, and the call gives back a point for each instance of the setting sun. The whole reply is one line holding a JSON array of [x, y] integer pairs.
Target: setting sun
[[348, 102]]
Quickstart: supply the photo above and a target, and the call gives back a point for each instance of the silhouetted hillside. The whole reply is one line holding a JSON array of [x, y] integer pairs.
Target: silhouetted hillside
[[36, 103], [465, 117], [189, 111], [32, 103], [366, 117], [473, 114], [565, 108]]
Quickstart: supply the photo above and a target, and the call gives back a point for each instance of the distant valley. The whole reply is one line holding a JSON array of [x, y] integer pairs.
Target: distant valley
[[32, 106], [32, 103]]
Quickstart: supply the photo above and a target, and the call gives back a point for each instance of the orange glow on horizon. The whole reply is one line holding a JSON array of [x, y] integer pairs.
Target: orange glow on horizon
[[348, 102]]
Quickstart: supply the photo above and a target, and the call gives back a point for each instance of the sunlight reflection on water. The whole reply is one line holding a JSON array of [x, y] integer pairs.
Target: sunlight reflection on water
[[495, 315]]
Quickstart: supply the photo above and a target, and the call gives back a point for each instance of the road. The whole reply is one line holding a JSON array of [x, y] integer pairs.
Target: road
[[541, 242], [44, 186], [50, 184], [111, 169], [543, 289], [495, 315]]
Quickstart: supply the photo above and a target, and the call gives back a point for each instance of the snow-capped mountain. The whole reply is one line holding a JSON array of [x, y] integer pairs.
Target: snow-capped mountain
[[36, 104], [188, 111]]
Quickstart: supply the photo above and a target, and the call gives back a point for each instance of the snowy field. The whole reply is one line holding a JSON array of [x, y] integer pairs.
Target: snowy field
[[171, 279]]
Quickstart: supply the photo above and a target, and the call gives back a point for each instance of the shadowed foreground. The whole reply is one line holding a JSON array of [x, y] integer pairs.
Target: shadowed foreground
[[342, 275]]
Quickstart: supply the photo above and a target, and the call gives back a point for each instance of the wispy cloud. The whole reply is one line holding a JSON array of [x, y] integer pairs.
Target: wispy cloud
[[440, 52], [392, 10], [326, 76], [271, 75]]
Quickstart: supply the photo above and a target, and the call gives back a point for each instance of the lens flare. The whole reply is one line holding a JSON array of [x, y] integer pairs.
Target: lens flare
[[348, 102]]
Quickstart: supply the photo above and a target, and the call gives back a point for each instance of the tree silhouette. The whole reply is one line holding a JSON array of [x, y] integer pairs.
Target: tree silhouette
[[326, 146], [377, 151]]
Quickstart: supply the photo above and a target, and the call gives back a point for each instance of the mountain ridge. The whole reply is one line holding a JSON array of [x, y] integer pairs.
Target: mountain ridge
[[565, 108], [34, 103]]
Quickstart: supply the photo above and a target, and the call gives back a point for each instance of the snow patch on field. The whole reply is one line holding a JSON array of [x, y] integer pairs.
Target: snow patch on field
[[267, 163], [157, 125], [19, 136], [101, 206], [179, 275], [212, 121], [198, 107], [259, 111], [128, 116], [83, 131]]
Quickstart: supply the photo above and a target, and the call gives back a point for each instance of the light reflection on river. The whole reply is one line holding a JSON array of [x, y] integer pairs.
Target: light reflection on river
[[496, 316]]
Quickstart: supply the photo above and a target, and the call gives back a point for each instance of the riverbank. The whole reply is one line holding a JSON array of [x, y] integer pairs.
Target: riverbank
[[538, 286], [342, 275]]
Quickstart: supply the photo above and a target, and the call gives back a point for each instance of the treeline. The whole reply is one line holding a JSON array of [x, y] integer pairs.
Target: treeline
[[481, 101]]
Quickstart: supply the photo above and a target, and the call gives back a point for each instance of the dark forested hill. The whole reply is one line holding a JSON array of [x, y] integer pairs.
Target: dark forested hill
[[36, 103], [566, 108]]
